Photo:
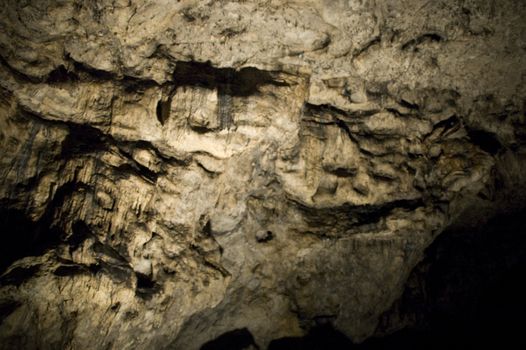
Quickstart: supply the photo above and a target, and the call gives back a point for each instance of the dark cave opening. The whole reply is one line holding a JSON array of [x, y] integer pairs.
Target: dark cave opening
[[469, 295], [470, 291]]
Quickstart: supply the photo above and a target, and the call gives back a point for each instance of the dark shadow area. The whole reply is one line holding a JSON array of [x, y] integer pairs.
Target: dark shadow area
[[83, 139], [163, 111], [237, 339], [487, 141], [87, 140], [22, 237], [468, 292], [447, 125], [97, 74], [146, 287], [424, 38], [348, 217], [7, 307], [79, 233], [61, 75], [320, 337], [243, 82]]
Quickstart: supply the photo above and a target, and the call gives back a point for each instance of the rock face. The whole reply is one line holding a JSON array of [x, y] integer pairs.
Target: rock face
[[176, 170]]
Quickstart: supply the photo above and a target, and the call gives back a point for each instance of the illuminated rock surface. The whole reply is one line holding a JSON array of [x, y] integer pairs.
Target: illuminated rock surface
[[175, 170]]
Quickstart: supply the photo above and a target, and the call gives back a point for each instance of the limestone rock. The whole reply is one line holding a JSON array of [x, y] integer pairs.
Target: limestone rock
[[176, 170]]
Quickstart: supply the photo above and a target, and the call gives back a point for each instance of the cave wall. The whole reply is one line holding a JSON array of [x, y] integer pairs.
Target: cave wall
[[176, 170]]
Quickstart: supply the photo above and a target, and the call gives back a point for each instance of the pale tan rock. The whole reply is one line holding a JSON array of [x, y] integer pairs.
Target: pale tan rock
[[195, 167]]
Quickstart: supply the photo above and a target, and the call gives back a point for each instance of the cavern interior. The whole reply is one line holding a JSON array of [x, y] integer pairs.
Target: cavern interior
[[262, 174]]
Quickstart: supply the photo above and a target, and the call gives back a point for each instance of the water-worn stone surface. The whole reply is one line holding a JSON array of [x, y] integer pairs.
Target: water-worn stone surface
[[175, 170]]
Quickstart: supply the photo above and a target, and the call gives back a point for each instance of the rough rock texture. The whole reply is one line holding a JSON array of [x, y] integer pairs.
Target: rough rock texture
[[175, 170]]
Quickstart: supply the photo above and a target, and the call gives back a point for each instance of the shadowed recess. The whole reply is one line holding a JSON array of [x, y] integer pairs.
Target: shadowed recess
[[236, 339], [22, 237], [323, 336], [470, 291], [243, 82]]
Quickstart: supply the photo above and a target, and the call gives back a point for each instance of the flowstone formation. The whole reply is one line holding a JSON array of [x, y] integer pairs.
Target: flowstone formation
[[175, 170]]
